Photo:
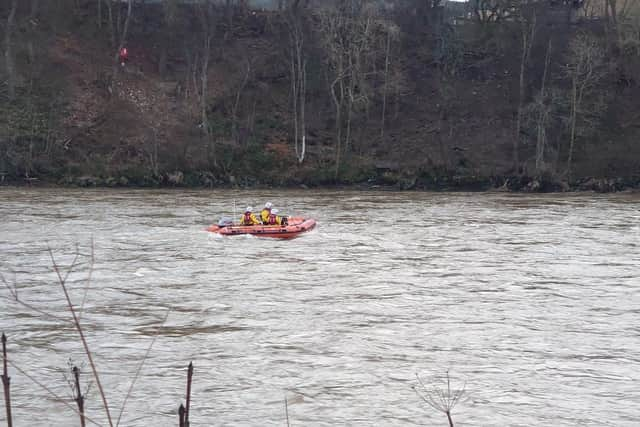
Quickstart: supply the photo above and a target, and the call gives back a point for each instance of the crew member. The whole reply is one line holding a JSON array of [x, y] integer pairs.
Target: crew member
[[264, 214], [249, 218], [273, 218]]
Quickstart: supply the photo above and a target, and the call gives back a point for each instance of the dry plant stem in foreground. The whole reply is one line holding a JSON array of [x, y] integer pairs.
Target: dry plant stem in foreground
[[51, 392], [137, 375], [6, 381], [79, 398], [76, 322], [181, 415], [189, 379], [183, 411], [286, 409], [86, 288], [441, 400], [13, 291]]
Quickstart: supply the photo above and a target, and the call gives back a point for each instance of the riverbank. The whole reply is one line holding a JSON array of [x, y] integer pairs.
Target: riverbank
[[517, 184]]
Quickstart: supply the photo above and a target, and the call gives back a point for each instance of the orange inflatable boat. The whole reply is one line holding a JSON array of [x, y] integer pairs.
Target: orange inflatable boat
[[294, 228]]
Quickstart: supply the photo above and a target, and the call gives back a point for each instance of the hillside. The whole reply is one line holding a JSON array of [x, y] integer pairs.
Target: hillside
[[538, 96]]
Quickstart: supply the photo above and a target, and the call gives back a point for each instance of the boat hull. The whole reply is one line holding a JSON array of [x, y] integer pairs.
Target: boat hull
[[295, 228]]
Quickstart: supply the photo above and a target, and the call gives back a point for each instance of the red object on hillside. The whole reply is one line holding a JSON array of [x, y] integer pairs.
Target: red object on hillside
[[124, 55]]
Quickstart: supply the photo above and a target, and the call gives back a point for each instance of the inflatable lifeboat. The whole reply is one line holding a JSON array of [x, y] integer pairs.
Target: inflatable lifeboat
[[295, 227]]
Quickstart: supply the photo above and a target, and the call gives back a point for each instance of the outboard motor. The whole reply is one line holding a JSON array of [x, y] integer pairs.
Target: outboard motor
[[225, 222]]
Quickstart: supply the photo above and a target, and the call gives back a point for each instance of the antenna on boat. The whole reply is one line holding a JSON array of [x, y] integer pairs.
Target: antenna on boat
[[234, 209]]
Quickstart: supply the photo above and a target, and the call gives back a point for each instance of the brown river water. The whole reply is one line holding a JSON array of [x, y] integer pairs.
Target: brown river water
[[532, 301]]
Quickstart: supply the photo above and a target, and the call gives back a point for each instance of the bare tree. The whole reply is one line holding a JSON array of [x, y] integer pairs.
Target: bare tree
[[486, 11], [99, 13], [528, 28], [236, 134], [543, 114], [392, 35], [348, 35], [206, 17], [585, 70], [169, 13], [112, 30], [35, 7], [8, 53], [629, 26], [298, 69], [611, 12]]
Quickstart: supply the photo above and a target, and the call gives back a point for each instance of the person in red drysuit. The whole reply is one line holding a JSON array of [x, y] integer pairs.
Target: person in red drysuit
[[123, 55]]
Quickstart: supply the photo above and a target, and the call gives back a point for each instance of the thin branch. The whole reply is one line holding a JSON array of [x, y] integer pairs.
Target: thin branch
[[144, 359], [86, 288], [51, 392], [6, 382], [14, 297], [81, 333], [286, 409]]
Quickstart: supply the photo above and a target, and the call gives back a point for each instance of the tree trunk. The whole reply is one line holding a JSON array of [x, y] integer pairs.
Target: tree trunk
[[211, 152], [611, 4], [527, 41], [34, 8], [386, 83], [294, 91], [236, 105], [573, 119], [99, 13], [298, 82], [542, 114], [303, 123], [8, 53], [338, 105], [112, 32]]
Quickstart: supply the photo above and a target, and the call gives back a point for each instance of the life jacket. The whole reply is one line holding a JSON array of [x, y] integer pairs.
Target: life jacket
[[264, 215], [273, 219], [247, 220]]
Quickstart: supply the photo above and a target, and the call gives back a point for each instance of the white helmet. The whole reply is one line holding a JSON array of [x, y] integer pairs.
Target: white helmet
[[249, 209], [274, 211], [268, 205]]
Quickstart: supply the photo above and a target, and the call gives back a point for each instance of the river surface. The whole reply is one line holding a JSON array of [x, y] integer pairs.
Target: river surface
[[531, 302]]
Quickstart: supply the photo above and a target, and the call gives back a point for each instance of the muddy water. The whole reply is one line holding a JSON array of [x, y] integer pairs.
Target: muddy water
[[532, 301]]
